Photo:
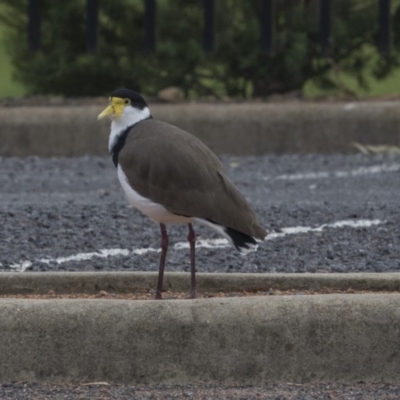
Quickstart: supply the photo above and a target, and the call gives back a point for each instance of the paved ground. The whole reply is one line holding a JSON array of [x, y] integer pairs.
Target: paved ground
[[71, 214]]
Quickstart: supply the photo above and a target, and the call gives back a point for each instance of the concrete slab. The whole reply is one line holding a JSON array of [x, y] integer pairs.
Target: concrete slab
[[253, 340], [346, 338], [240, 129]]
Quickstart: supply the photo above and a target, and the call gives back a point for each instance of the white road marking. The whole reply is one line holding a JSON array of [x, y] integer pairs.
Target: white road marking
[[361, 223], [24, 265], [104, 253], [205, 243], [350, 106], [202, 243], [371, 170], [21, 267], [139, 252]]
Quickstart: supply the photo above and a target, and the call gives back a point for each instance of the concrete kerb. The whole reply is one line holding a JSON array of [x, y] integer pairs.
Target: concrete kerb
[[239, 129], [124, 282], [251, 340]]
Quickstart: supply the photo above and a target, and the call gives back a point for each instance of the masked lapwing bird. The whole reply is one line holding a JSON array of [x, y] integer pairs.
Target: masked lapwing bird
[[172, 177]]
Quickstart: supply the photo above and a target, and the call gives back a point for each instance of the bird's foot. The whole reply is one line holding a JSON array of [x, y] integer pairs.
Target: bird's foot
[[158, 296], [193, 294]]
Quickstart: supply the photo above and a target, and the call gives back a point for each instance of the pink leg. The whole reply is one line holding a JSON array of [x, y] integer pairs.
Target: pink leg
[[192, 241], [164, 248]]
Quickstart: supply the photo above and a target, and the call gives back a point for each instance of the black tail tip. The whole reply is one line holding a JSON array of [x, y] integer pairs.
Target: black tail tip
[[243, 243]]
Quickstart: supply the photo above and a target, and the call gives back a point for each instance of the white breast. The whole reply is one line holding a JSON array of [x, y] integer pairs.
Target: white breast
[[129, 117], [153, 210]]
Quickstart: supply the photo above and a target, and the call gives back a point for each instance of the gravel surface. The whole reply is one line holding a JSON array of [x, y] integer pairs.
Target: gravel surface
[[362, 391], [59, 207]]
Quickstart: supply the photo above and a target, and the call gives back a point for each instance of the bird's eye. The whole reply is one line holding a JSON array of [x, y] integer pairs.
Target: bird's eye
[[127, 102]]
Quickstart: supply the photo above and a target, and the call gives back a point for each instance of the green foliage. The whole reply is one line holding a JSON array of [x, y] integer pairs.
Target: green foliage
[[62, 65], [237, 67]]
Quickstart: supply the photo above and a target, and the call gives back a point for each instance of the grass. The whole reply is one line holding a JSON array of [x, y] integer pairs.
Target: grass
[[386, 87], [8, 87]]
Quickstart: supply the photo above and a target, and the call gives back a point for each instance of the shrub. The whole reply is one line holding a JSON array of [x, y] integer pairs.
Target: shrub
[[237, 67]]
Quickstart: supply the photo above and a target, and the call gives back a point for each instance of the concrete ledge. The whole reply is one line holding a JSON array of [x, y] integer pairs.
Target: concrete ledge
[[124, 282], [240, 129], [251, 340], [345, 338]]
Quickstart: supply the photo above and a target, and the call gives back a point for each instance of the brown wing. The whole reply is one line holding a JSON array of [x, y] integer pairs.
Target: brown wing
[[175, 169]]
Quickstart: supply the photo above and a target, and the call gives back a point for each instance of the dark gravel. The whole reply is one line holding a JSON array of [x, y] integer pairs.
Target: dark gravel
[[362, 391], [59, 207]]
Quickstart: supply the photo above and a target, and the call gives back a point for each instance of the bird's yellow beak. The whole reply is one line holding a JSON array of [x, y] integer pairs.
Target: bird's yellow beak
[[114, 110]]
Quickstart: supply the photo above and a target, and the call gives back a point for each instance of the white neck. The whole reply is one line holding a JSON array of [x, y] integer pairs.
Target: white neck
[[129, 117]]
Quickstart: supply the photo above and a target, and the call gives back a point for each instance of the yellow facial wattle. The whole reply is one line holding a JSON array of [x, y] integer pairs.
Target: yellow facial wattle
[[114, 110]]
